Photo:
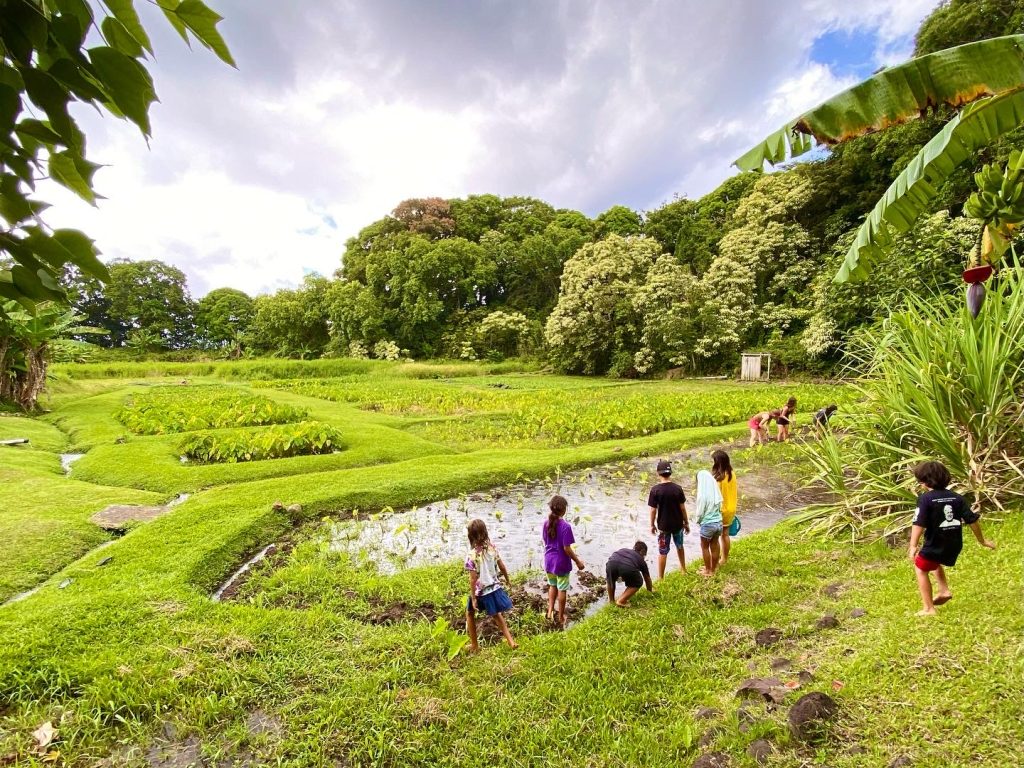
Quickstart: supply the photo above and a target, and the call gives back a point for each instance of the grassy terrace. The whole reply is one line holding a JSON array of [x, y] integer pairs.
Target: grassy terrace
[[134, 664]]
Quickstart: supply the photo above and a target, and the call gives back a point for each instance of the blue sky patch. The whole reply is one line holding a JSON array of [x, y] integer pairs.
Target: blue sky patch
[[847, 52]]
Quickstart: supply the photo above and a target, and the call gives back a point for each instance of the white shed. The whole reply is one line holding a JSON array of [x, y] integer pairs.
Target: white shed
[[757, 366]]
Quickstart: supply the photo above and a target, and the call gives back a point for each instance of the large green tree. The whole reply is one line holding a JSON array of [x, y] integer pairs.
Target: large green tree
[[293, 323], [55, 54], [222, 318], [149, 296]]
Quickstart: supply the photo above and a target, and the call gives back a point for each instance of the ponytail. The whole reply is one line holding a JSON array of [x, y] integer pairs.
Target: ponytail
[[558, 505]]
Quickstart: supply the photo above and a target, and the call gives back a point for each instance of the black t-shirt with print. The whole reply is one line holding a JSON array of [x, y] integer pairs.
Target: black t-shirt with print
[[943, 514], [667, 499]]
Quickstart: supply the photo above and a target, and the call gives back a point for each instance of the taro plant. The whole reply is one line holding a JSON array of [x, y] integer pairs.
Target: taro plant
[[452, 642], [182, 409], [937, 384], [273, 442]]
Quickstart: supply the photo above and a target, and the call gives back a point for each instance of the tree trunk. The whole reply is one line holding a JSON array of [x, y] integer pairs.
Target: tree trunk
[[28, 384]]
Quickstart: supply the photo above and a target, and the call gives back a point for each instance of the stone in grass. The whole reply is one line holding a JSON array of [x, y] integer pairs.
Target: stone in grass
[[827, 622], [804, 677], [712, 760], [833, 590], [768, 637], [811, 716], [901, 762], [760, 750], [780, 663], [857, 613], [706, 713]]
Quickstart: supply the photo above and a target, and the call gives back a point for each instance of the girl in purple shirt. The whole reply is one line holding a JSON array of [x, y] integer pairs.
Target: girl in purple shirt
[[556, 534]]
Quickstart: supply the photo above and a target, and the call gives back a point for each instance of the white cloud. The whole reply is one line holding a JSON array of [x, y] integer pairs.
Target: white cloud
[[340, 111]]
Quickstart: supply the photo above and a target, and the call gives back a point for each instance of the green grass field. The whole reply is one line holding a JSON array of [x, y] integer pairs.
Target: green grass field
[[134, 664]]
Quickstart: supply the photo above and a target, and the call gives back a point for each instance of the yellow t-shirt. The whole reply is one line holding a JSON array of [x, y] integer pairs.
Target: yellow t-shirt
[[728, 489]]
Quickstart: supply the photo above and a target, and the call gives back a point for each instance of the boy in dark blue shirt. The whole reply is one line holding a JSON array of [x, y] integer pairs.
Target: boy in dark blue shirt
[[941, 515]]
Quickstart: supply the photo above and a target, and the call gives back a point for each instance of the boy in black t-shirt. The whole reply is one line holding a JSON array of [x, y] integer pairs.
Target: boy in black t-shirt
[[667, 504], [630, 566], [940, 517]]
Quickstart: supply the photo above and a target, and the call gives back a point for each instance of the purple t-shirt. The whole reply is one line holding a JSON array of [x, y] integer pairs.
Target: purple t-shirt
[[555, 559]]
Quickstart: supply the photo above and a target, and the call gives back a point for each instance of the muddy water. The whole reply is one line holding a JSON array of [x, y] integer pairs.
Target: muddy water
[[607, 509]]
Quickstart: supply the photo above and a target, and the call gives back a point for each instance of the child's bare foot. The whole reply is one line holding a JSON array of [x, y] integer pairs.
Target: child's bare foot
[[549, 617], [621, 604], [927, 612], [942, 599], [513, 644], [473, 648]]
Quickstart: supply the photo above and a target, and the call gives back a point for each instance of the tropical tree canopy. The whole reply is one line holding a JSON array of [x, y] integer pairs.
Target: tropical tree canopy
[[46, 66], [987, 75]]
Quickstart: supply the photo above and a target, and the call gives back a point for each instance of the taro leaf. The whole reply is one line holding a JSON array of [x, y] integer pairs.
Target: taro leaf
[[203, 23], [456, 642], [124, 12], [128, 83], [75, 173], [119, 37]]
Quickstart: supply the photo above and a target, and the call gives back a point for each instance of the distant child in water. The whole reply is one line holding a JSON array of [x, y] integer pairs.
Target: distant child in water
[[941, 514], [721, 469], [485, 591], [709, 520], [559, 555]]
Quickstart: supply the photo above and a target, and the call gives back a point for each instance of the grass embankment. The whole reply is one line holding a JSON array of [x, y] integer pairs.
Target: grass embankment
[[132, 661]]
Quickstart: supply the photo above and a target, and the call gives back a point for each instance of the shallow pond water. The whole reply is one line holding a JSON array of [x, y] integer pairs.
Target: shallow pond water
[[67, 459], [607, 509]]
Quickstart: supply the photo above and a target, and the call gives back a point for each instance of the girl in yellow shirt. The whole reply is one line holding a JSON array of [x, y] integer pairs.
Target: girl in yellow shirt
[[722, 470]]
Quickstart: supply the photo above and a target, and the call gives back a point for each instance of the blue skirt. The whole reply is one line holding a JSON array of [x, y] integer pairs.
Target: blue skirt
[[494, 602]]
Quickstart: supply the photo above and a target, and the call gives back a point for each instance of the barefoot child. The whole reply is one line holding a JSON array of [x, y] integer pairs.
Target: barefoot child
[[709, 519], [630, 566], [559, 555], [667, 505], [941, 514], [485, 591], [759, 427], [721, 469], [784, 418]]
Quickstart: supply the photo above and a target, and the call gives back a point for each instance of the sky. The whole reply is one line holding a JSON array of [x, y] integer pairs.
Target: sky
[[341, 109]]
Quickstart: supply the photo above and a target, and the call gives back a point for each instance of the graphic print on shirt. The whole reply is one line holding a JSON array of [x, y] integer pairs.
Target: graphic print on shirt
[[950, 521]]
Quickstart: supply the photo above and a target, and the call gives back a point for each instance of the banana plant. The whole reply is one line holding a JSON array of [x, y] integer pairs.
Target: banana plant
[[984, 80]]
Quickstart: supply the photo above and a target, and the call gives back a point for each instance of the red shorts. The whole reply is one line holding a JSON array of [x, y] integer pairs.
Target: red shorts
[[925, 564], [754, 423]]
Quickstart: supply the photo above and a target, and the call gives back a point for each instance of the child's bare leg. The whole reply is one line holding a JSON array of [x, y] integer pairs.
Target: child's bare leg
[[755, 437], [626, 594], [726, 542], [705, 551], [715, 554], [944, 595], [561, 606], [503, 626], [662, 562], [924, 584], [471, 631], [611, 591], [682, 559], [552, 593]]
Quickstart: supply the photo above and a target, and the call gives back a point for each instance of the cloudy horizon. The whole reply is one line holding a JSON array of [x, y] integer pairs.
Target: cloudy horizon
[[257, 176]]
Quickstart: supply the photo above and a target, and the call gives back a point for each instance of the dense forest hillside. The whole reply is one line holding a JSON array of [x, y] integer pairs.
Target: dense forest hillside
[[687, 285]]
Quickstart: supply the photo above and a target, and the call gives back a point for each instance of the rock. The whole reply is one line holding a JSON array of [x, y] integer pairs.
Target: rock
[[857, 749], [804, 677], [710, 736], [259, 722], [811, 716], [901, 762], [277, 506], [760, 751], [294, 509], [770, 688], [768, 637], [117, 516], [712, 760], [104, 561], [780, 663], [65, 584], [833, 590], [706, 713], [827, 622], [857, 613]]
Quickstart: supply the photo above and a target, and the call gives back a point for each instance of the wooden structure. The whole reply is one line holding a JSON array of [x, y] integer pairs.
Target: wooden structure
[[757, 366]]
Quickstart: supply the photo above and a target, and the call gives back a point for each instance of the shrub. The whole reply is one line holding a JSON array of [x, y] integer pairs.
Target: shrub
[[274, 442], [386, 350]]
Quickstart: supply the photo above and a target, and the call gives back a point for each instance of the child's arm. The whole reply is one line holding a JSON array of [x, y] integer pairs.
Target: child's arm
[[647, 578], [915, 537], [473, 578], [654, 513], [976, 527], [574, 557], [686, 517], [504, 571]]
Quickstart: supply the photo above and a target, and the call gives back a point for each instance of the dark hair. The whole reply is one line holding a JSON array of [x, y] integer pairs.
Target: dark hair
[[791, 403], [477, 532], [721, 467], [831, 408], [933, 474], [640, 548], [558, 505]]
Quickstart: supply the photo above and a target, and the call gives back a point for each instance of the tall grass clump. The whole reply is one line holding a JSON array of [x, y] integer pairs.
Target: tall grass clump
[[936, 384]]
